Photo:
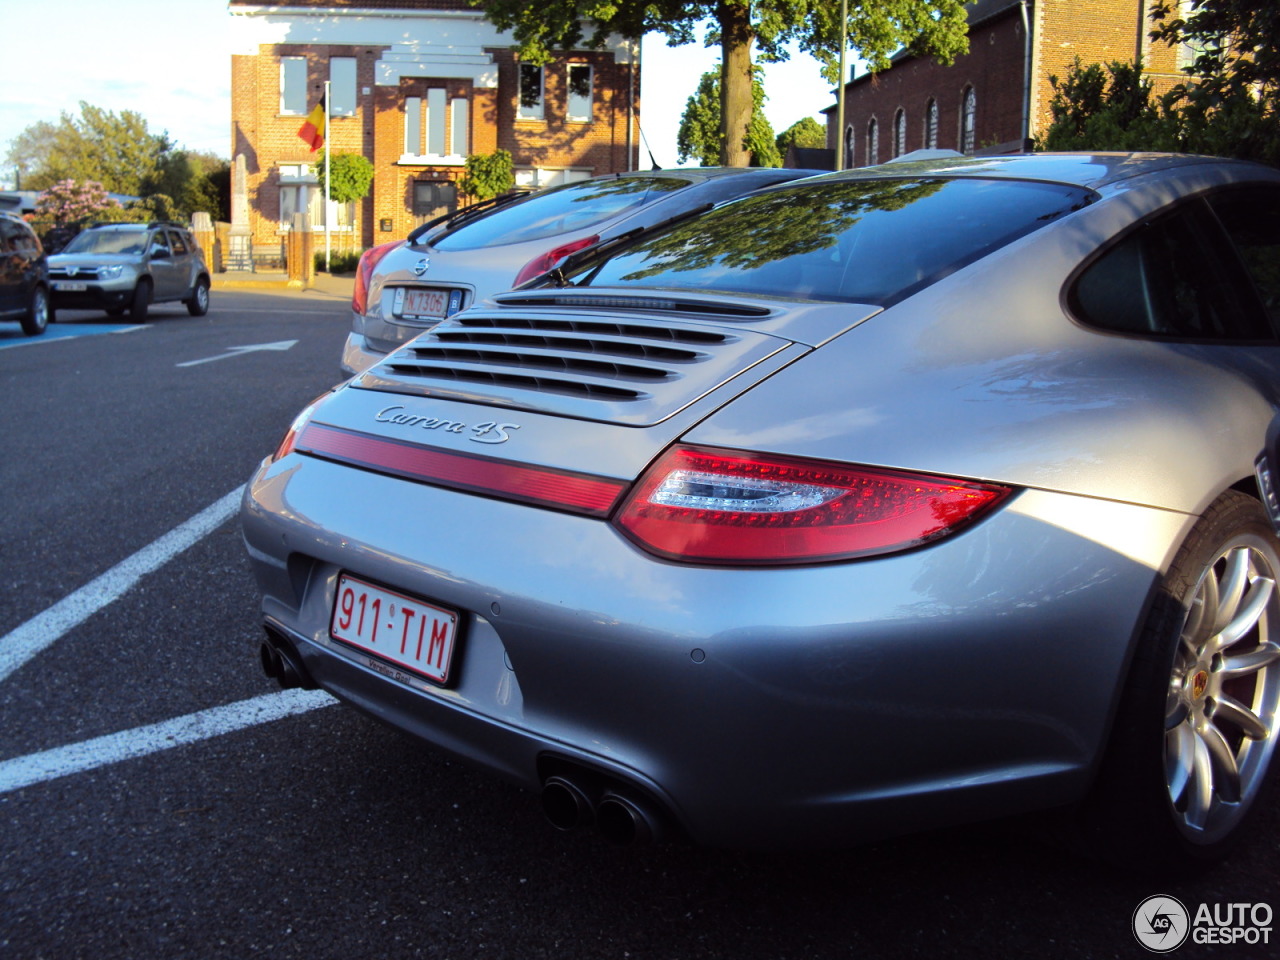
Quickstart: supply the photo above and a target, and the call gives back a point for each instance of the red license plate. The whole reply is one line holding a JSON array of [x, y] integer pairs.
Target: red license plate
[[403, 630], [425, 303]]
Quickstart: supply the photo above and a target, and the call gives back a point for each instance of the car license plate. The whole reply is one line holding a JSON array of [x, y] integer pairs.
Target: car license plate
[[425, 303], [66, 287], [411, 634]]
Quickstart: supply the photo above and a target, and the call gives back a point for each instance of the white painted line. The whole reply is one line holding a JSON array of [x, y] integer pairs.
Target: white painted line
[[279, 345], [78, 757], [42, 630]]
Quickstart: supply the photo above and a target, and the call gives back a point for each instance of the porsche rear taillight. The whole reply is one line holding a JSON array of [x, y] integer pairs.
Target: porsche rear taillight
[[706, 505], [540, 265], [364, 273]]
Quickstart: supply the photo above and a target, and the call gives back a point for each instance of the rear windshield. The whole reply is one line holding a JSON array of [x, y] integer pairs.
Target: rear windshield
[[574, 206], [867, 241], [108, 241]]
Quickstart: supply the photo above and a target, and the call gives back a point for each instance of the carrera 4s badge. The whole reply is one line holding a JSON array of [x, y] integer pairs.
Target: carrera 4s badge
[[487, 432]]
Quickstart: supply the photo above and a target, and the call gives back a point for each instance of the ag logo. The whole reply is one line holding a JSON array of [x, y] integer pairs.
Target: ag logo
[[1161, 924]]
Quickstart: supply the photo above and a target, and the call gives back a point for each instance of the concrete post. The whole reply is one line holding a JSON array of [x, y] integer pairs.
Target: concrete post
[[300, 252], [206, 239]]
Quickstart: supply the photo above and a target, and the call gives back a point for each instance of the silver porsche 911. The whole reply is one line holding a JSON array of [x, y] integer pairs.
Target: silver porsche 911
[[876, 501]]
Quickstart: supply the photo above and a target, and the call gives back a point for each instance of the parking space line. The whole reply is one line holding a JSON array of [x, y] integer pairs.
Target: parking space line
[[42, 630], [78, 757]]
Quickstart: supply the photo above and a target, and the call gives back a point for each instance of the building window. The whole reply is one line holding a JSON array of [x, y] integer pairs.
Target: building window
[[579, 107], [931, 125], [873, 143], [850, 142], [434, 198], [412, 126], [342, 86], [293, 85], [458, 113], [436, 109], [968, 121], [530, 92], [900, 132]]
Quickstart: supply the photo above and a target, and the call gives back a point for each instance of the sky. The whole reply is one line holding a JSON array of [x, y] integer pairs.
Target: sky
[[169, 60]]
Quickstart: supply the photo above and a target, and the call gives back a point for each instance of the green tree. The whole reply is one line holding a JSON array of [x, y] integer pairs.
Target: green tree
[[1111, 108], [488, 175], [807, 134], [115, 150], [350, 176], [701, 132], [1230, 104], [118, 151], [876, 29]]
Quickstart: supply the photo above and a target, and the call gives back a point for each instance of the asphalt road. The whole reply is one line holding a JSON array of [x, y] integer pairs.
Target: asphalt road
[[322, 834]]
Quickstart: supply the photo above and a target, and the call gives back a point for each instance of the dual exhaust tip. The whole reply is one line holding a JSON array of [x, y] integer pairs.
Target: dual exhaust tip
[[281, 663], [618, 815]]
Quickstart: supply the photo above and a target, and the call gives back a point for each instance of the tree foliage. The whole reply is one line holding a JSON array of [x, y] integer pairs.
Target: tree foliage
[[807, 134], [701, 132], [1107, 109], [118, 152], [488, 175], [70, 202], [876, 30], [1227, 106], [1230, 104], [350, 176]]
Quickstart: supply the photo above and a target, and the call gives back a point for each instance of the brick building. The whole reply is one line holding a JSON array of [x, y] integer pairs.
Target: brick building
[[995, 98], [416, 86]]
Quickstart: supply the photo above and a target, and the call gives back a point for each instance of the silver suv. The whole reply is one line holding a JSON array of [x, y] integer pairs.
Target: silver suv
[[129, 266]]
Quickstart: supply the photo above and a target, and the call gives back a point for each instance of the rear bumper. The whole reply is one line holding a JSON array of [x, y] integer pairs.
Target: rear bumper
[[777, 707]]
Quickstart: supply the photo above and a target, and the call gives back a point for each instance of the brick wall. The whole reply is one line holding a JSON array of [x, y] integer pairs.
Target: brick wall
[[376, 131], [1096, 31], [993, 68]]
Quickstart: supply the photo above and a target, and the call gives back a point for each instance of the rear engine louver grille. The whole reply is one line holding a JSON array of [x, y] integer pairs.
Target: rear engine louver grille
[[529, 362]]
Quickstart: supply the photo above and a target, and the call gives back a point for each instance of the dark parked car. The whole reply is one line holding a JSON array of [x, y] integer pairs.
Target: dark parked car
[[912, 495], [24, 276], [129, 266], [404, 288]]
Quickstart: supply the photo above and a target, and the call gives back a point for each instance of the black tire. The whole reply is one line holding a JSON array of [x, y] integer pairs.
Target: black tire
[[141, 302], [198, 302], [1195, 733], [36, 320]]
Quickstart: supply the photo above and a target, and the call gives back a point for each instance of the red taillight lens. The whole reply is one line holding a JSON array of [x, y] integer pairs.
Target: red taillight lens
[[364, 271], [290, 438], [542, 264], [716, 506]]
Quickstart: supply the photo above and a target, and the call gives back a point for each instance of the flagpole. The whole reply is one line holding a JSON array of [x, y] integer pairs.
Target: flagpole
[[328, 184]]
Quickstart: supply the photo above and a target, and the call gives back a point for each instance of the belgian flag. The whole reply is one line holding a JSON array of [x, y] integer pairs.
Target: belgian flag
[[313, 130]]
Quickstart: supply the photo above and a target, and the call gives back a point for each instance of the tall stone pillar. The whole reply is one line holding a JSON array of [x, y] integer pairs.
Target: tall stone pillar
[[240, 256]]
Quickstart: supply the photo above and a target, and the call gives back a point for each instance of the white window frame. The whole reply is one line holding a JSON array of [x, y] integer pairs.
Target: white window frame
[[342, 86], [293, 87], [931, 124], [412, 126], [968, 120], [579, 108], [437, 111], [459, 134], [537, 110]]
